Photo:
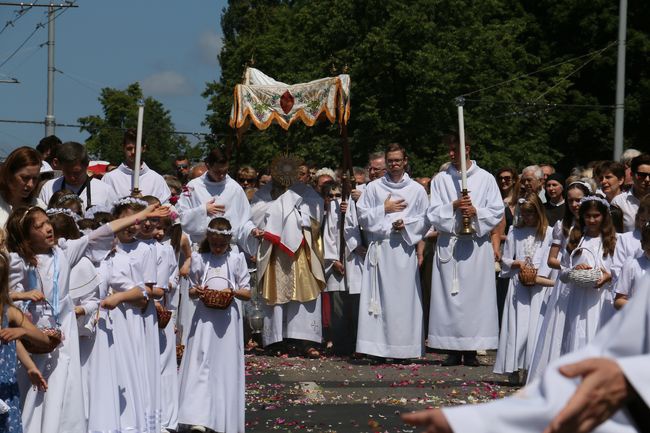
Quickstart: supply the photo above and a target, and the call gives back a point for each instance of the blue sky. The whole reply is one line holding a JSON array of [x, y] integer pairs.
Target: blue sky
[[170, 47]]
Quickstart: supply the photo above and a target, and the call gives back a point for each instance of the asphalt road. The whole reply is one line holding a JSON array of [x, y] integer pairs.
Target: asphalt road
[[334, 394]]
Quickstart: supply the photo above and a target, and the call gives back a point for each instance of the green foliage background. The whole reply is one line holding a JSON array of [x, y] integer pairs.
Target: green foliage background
[[408, 60], [120, 113]]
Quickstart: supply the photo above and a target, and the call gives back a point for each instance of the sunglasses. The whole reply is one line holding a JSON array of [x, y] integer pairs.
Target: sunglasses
[[641, 175], [181, 166], [505, 178], [334, 195], [246, 180]]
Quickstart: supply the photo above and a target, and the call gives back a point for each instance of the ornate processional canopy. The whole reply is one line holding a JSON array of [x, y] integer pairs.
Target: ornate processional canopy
[[263, 100]]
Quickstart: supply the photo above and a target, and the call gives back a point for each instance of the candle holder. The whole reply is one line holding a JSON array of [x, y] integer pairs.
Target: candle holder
[[466, 229]]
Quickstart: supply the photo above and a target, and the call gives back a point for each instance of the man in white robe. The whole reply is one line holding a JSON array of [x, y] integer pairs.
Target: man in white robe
[[289, 261], [213, 194], [391, 212], [604, 387], [150, 182], [72, 159], [463, 314]]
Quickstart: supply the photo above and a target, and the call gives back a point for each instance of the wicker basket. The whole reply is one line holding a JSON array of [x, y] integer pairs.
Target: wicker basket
[[180, 349], [528, 273], [164, 316], [584, 278], [54, 334], [218, 299]]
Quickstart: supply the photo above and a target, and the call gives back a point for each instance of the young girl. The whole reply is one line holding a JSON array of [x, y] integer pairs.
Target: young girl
[[633, 270], [212, 369], [84, 291], [40, 270], [527, 244], [14, 326], [576, 190], [166, 270], [130, 273], [66, 199], [589, 309]]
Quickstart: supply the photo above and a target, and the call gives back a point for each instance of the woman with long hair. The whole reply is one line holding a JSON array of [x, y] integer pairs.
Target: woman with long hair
[[19, 176]]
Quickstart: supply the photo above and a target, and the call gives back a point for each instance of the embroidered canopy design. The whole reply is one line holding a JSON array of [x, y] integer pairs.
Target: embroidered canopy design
[[263, 100]]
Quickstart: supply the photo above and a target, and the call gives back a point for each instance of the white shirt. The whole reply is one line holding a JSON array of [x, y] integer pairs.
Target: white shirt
[[151, 183], [629, 204], [100, 192]]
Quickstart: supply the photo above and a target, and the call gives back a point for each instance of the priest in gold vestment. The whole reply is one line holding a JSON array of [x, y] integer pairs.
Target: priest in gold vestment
[[290, 262]]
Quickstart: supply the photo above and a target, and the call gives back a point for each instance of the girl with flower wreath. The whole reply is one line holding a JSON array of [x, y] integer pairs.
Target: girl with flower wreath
[[526, 247], [130, 272], [212, 370], [581, 308], [40, 276], [576, 189]]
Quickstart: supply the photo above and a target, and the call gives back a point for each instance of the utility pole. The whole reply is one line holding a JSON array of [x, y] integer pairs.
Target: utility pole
[[52, 8], [49, 117], [620, 81]]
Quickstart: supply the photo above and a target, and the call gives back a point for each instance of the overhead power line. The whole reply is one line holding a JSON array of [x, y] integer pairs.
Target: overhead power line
[[76, 125], [64, 7]]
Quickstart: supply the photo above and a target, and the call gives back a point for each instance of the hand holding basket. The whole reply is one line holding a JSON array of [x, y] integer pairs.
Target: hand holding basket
[[53, 333], [584, 278], [528, 273], [217, 299], [164, 315]]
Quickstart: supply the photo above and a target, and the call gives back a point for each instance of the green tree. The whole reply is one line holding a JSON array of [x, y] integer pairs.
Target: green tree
[[120, 113], [408, 62]]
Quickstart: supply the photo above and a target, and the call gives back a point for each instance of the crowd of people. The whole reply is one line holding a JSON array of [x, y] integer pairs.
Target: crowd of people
[[128, 311]]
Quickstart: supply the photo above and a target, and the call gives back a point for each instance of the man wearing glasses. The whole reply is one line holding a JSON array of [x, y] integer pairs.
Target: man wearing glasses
[[629, 201], [182, 167], [391, 212]]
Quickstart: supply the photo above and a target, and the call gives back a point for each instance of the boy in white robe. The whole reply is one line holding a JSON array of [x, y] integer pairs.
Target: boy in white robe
[[463, 315], [614, 390], [215, 194], [73, 160], [391, 212], [151, 183], [343, 278]]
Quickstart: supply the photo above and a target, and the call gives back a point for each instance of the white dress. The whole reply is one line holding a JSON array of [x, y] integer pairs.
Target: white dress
[[463, 313], [523, 304], [390, 289], [632, 275], [151, 183], [576, 313], [132, 265], [212, 369], [84, 291], [628, 245], [168, 272], [625, 339], [61, 408]]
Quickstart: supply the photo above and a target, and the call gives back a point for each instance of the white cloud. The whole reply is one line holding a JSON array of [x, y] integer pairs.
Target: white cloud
[[166, 83], [209, 46]]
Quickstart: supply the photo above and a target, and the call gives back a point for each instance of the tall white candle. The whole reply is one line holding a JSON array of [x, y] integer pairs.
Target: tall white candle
[[135, 180], [461, 136]]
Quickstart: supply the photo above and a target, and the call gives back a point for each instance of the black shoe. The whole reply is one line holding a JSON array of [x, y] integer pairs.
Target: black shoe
[[470, 360], [452, 359]]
